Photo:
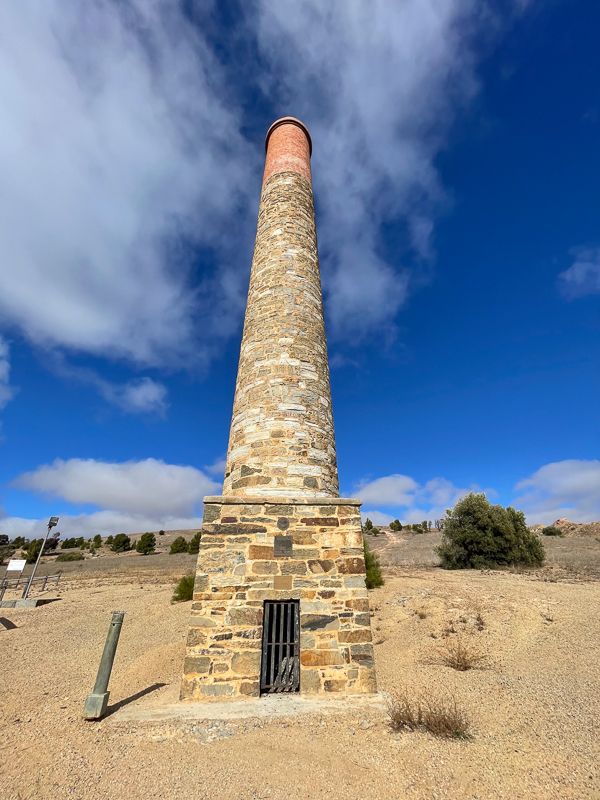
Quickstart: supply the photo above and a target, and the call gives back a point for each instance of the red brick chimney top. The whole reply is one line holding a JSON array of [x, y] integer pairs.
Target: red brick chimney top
[[289, 147]]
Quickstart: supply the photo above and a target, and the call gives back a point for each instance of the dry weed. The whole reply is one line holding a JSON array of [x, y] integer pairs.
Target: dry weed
[[441, 717], [462, 655], [479, 621], [422, 614]]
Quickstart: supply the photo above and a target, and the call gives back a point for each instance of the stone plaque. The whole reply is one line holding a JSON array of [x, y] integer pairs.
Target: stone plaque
[[283, 546], [282, 582]]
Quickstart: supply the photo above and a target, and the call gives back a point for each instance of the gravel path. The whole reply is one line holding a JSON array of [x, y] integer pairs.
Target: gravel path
[[534, 705]]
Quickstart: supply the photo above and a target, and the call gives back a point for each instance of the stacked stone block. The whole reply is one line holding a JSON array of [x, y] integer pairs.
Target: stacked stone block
[[237, 572]]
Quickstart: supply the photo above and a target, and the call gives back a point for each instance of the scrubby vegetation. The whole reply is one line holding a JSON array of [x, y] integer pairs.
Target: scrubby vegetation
[[396, 525], [67, 544], [462, 655], [146, 544], [374, 578], [194, 546], [70, 557], [184, 590], [97, 540], [179, 546], [550, 530], [478, 535], [441, 717], [368, 526]]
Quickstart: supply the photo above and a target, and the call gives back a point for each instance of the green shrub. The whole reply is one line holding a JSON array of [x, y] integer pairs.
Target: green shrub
[[194, 546], [110, 541], [184, 589], [179, 546], [373, 569], [375, 532], [146, 544], [70, 557], [68, 543], [121, 543], [368, 525], [161, 533], [6, 551], [18, 541], [550, 530], [33, 549], [425, 526], [478, 535], [97, 540], [416, 528], [396, 525]]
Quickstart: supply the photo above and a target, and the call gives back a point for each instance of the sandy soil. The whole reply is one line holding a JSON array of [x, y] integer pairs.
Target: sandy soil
[[534, 706]]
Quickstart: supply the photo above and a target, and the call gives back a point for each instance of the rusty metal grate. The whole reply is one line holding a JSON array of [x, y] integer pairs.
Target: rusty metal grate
[[280, 669]]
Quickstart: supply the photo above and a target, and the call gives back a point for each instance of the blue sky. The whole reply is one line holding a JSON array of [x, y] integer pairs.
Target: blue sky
[[457, 186]]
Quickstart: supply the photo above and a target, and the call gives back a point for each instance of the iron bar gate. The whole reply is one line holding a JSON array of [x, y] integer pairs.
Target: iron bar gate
[[280, 668]]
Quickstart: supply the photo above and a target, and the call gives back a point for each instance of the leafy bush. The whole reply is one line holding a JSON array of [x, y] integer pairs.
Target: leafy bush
[[3, 539], [184, 590], [478, 535], [110, 540], [146, 544], [161, 533], [70, 557], [375, 532], [396, 525], [425, 526], [97, 540], [194, 546], [550, 530], [368, 525], [179, 546], [374, 577], [121, 543]]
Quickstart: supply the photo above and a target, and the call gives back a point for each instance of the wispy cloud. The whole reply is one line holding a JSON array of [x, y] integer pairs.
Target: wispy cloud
[[583, 276], [568, 488]]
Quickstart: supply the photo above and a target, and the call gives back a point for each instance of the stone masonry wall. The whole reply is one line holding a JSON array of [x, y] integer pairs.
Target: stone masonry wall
[[282, 438], [238, 571]]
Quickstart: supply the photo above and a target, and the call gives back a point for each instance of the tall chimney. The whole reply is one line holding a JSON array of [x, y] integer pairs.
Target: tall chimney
[[281, 442]]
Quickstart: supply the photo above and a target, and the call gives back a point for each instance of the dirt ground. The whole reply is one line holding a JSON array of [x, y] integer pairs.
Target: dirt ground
[[534, 705]]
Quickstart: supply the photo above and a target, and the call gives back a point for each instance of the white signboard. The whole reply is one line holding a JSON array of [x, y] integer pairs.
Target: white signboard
[[16, 565]]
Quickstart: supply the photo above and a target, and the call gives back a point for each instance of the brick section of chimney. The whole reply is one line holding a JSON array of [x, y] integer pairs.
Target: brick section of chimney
[[282, 437]]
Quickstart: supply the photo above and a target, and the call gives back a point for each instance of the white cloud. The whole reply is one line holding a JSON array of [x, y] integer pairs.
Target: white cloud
[[413, 501], [122, 145], [7, 392], [147, 488], [378, 84], [218, 468], [118, 147], [583, 276], [568, 488]]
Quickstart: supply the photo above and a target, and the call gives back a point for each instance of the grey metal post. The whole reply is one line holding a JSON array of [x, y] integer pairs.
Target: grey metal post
[[96, 702], [51, 523]]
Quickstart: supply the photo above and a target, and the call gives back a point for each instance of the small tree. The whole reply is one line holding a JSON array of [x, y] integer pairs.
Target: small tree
[[368, 525], [478, 535], [425, 526], [110, 541], [161, 533], [396, 525], [97, 540], [146, 544], [179, 546], [375, 531], [121, 543], [194, 546], [18, 541], [33, 549], [3, 539], [374, 577]]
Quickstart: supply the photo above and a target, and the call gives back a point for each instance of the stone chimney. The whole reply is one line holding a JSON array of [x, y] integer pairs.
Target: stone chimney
[[280, 602], [282, 438]]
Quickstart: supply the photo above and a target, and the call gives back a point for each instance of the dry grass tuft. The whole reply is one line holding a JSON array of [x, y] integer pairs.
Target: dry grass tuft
[[422, 614], [441, 717], [479, 621], [462, 655]]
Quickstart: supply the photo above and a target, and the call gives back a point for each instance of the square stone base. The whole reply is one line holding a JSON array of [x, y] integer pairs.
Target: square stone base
[[241, 564]]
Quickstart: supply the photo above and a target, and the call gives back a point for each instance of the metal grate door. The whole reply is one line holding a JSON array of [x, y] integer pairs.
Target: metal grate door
[[280, 669]]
